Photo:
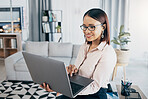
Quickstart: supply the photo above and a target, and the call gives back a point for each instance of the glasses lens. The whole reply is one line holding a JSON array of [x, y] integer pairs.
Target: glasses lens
[[91, 28], [83, 27]]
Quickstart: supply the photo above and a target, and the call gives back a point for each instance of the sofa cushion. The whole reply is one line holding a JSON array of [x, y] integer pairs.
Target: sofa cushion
[[65, 60], [75, 50], [38, 48], [60, 49], [20, 65], [23, 76], [72, 61]]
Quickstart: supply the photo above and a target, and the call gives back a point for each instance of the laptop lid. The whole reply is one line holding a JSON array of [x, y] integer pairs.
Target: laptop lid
[[50, 71]]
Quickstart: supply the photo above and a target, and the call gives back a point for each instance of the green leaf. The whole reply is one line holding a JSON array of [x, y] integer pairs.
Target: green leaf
[[115, 38], [120, 35], [124, 35], [58, 27], [127, 38], [115, 41], [126, 41], [121, 28]]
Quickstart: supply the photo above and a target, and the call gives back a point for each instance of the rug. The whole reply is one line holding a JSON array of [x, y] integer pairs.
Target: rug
[[23, 90]]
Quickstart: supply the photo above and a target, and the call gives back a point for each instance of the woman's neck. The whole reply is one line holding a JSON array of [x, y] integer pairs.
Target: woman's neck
[[96, 42]]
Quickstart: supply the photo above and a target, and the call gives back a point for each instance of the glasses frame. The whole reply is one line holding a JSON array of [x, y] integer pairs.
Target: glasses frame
[[87, 27]]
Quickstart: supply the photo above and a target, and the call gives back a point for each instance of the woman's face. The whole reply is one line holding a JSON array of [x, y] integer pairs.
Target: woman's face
[[92, 35]]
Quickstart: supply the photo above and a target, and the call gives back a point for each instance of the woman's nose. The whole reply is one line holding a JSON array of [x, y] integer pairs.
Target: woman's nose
[[87, 31]]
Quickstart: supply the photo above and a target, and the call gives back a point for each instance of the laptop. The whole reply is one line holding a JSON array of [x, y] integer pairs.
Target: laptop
[[53, 72]]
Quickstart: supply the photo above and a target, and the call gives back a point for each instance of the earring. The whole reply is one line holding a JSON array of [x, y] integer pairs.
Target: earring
[[102, 36]]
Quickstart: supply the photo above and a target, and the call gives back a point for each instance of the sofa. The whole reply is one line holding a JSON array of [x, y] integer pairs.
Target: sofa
[[16, 68]]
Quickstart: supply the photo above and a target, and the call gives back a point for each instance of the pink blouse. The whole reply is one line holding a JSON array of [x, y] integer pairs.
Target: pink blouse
[[97, 64]]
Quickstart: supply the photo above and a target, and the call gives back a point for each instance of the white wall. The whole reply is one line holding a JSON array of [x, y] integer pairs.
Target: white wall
[[24, 4], [138, 25], [73, 11]]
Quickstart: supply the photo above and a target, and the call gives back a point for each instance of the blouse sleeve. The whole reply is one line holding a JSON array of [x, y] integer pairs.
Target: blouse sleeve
[[102, 72]]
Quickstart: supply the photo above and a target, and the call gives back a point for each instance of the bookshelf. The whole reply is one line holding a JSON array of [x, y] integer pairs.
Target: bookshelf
[[10, 43], [52, 25], [5, 19]]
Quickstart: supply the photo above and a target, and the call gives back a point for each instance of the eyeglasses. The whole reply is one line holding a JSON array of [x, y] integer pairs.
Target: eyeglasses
[[90, 28]]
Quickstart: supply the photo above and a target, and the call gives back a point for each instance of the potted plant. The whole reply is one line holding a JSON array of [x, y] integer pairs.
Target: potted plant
[[122, 40], [45, 16], [58, 29]]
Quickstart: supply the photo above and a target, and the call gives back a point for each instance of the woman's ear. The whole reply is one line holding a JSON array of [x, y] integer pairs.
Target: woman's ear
[[104, 26]]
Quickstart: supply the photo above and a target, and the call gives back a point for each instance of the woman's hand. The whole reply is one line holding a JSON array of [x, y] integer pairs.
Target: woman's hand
[[71, 69], [47, 88]]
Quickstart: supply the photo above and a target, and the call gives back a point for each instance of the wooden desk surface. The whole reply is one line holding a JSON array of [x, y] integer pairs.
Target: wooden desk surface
[[133, 86]]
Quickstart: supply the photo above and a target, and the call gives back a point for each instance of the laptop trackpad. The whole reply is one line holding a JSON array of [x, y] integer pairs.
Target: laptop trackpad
[[80, 80]]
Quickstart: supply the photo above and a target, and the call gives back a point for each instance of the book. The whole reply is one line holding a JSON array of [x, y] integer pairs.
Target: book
[[13, 43], [46, 27], [1, 43]]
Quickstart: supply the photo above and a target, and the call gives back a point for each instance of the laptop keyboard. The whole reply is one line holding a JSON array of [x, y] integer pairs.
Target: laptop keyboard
[[75, 87]]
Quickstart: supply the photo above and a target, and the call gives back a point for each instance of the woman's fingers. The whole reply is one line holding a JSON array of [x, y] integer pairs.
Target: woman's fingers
[[71, 69], [44, 85], [76, 70], [58, 94], [68, 70], [48, 89], [41, 86]]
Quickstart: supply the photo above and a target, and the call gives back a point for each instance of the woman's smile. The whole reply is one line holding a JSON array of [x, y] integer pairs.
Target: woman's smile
[[88, 36]]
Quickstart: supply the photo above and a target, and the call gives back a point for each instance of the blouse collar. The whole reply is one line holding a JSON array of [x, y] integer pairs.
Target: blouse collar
[[99, 47]]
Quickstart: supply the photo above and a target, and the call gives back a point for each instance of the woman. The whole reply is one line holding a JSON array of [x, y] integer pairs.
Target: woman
[[96, 58]]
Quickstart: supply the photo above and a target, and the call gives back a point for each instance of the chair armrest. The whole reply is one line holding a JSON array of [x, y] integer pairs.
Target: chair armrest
[[9, 64]]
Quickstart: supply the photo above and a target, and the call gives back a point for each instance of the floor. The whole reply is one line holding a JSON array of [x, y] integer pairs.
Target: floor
[[136, 72]]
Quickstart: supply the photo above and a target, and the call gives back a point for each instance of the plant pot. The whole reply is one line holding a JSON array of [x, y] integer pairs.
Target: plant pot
[[45, 18], [122, 56], [58, 30]]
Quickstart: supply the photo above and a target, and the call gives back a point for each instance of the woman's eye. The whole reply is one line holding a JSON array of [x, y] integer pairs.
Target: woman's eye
[[92, 27], [84, 27]]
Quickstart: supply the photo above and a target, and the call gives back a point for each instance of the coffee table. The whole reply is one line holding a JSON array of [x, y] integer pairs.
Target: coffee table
[[134, 87], [13, 89]]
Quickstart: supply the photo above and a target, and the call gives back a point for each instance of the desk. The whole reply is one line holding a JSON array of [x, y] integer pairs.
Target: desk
[[133, 86]]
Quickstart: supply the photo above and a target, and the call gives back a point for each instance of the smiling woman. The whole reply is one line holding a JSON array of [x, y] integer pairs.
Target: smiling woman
[[96, 58], [96, 26]]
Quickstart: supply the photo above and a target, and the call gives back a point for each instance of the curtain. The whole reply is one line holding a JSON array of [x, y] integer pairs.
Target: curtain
[[35, 15], [118, 14]]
